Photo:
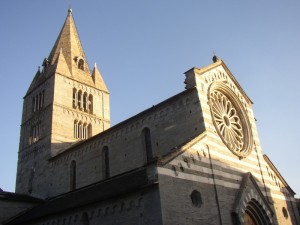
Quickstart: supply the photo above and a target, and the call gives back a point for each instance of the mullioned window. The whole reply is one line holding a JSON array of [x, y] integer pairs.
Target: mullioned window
[[38, 101], [82, 101], [82, 130]]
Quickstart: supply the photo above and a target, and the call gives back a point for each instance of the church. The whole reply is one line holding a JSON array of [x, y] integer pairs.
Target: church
[[194, 158]]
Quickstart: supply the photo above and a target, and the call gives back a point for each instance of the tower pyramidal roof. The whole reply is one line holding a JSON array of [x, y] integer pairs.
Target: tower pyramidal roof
[[67, 58], [69, 44]]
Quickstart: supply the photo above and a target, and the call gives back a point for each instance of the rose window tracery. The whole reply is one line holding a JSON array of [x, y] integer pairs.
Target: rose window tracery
[[230, 120]]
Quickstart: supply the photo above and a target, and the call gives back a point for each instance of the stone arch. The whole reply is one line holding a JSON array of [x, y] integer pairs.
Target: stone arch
[[251, 207], [255, 214]]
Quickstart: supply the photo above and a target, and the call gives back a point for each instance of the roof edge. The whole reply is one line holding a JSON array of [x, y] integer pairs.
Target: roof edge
[[269, 162], [176, 151]]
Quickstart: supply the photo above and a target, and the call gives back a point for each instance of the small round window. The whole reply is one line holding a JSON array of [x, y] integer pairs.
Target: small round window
[[196, 199]]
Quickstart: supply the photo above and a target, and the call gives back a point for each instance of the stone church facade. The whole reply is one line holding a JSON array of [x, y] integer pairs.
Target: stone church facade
[[194, 158]]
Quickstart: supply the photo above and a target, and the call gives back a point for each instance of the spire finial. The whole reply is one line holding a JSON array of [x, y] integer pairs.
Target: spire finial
[[70, 10], [215, 58], [95, 64]]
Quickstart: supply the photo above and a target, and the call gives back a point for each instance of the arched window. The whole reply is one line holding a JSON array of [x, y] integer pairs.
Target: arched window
[[73, 175], [74, 98], [285, 213], [85, 100], [85, 131], [38, 101], [81, 100], [33, 104], [90, 104], [35, 134], [81, 64], [105, 162], [80, 128], [79, 96], [33, 131], [38, 130], [196, 199], [89, 130], [43, 98], [146, 137], [75, 129]]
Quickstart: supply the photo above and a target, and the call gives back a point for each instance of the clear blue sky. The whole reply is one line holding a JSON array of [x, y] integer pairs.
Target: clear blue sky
[[142, 49]]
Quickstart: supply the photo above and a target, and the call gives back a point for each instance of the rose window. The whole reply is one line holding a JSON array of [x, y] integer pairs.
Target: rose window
[[230, 122]]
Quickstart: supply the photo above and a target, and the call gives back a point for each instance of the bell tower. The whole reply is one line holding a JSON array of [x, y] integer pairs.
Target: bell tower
[[65, 103]]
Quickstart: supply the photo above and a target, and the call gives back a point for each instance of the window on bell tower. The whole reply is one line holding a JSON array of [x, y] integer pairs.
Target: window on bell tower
[[38, 101], [82, 101], [90, 104], [35, 132], [79, 103], [82, 130], [81, 64], [75, 98]]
